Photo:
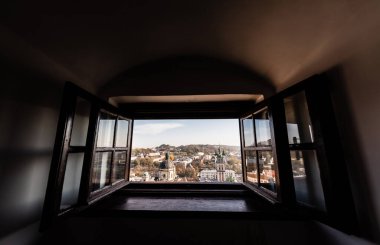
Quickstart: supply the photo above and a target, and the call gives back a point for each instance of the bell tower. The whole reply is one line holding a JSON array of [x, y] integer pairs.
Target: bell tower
[[220, 165]]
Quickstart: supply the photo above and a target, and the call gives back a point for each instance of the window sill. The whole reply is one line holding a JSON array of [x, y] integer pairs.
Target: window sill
[[186, 201]]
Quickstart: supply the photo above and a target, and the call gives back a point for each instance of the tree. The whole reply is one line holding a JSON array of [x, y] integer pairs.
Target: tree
[[190, 173], [180, 169], [237, 168], [146, 162], [138, 171], [137, 162], [230, 179]]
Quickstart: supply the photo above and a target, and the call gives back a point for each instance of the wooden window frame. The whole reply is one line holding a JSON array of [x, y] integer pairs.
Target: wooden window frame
[[99, 193], [51, 211], [337, 192], [271, 196]]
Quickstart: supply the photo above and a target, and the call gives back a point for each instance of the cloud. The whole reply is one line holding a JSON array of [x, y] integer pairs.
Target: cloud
[[155, 128]]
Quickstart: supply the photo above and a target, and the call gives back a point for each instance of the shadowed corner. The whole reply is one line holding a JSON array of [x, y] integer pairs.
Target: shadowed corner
[[358, 171]]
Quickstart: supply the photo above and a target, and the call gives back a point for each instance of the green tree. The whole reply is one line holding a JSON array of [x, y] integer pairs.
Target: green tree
[[230, 179], [180, 169], [190, 173]]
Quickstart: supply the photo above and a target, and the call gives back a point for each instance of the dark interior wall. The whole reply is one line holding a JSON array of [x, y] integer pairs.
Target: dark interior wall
[[29, 109], [356, 96]]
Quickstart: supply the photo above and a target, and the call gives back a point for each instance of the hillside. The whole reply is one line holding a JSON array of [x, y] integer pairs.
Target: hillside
[[189, 149]]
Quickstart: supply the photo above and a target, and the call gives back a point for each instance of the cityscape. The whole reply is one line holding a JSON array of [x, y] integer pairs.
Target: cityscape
[[186, 163]]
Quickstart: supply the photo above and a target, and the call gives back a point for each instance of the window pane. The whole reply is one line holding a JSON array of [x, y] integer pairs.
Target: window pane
[[101, 170], [251, 166], [263, 135], [307, 180], [118, 170], [80, 124], [249, 139], [267, 170], [106, 130], [71, 181], [298, 119], [122, 133]]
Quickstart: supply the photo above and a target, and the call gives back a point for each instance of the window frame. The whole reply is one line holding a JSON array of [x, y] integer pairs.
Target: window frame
[[340, 209], [93, 195], [52, 212], [337, 192], [268, 194], [315, 146]]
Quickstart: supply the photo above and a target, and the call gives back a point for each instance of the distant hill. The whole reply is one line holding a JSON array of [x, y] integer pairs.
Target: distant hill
[[194, 148]]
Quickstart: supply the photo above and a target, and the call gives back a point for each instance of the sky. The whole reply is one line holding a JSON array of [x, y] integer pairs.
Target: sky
[[151, 133]]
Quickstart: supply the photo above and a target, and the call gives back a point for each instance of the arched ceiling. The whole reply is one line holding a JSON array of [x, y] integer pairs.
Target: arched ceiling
[[93, 43], [187, 75]]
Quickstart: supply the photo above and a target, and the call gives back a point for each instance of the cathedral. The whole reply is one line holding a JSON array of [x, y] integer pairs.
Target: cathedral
[[220, 166], [167, 170]]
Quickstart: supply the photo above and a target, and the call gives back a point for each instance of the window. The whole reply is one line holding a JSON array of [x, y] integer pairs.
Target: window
[[201, 150], [305, 166], [75, 151], [259, 157], [111, 150], [287, 150]]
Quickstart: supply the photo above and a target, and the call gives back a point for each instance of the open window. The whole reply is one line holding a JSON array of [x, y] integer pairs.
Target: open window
[[110, 153], [303, 152], [91, 153], [258, 151], [290, 153]]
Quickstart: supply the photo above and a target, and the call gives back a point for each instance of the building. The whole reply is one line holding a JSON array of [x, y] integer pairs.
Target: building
[[207, 157], [208, 175], [211, 175], [198, 50], [220, 165], [154, 154], [167, 170], [220, 173]]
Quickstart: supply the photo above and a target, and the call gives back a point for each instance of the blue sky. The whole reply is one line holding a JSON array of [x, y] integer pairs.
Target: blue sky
[[150, 133]]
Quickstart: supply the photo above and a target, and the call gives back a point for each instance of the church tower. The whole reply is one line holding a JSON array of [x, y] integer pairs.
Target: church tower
[[167, 170], [220, 166]]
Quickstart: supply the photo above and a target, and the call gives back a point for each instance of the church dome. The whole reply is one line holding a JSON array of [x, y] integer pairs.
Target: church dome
[[167, 163], [164, 165]]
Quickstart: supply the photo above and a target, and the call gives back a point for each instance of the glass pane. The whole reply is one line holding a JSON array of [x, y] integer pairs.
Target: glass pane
[[106, 130], [118, 170], [298, 119], [267, 170], [251, 166], [307, 180], [80, 124], [263, 135], [122, 133], [249, 139], [101, 170], [71, 181]]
